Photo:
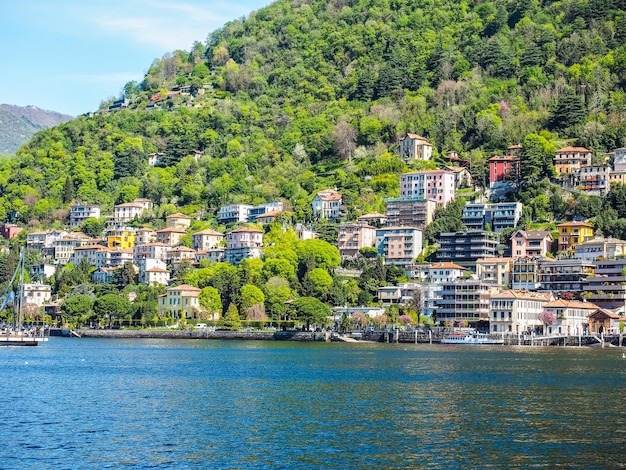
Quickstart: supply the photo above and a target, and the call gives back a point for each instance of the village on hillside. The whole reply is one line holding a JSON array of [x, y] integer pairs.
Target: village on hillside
[[565, 282]]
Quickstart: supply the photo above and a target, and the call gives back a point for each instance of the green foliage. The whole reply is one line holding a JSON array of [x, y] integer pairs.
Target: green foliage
[[311, 310], [231, 321]]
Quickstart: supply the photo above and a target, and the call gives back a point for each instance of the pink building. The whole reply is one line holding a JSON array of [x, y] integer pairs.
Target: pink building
[[244, 237], [428, 184], [353, 237], [502, 168], [531, 243], [10, 231]]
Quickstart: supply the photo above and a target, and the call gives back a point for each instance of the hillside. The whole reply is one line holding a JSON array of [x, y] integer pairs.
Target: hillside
[[310, 94], [19, 123]]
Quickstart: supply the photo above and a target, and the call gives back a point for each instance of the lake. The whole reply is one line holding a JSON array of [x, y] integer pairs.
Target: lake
[[110, 403]]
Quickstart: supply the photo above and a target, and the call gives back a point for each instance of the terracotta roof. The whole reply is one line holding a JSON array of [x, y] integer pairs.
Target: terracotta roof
[[328, 195], [172, 229], [534, 235], [519, 294], [573, 149], [575, 224], [494, 260], [157, 270], [446, 265], [181, 248], [420, 172], [178, 215], [129, 204], [515, 146], [246, 229], [89, 247], [571, 304], [152, 244], [374, 215], [185, 287], [415, 137], [208, 231], [267, 215]]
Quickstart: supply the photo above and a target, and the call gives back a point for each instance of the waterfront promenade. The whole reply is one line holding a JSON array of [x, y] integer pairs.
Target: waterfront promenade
[[385, 336]]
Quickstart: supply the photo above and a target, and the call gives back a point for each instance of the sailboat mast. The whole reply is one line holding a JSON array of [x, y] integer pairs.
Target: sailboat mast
[[20, 299]]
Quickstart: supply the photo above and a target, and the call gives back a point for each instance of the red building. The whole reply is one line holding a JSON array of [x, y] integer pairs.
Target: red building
[[10, 231], [503, 168]]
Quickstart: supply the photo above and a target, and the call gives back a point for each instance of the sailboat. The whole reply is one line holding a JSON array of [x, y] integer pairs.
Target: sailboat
[[15, 334]]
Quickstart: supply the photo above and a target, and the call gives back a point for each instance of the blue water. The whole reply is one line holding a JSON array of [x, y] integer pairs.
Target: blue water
[[101, 403]]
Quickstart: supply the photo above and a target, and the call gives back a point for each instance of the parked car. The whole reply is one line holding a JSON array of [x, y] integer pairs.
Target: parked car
[[200, 326]]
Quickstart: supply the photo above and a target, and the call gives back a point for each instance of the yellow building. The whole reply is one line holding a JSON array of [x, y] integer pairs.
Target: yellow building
[[180, 302], [573, 233], [121, 238]]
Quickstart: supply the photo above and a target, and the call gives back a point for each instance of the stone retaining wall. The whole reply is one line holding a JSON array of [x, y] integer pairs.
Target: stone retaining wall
[[203, 334]]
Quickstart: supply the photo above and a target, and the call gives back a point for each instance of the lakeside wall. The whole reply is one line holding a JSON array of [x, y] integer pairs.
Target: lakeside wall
[[205, 334]]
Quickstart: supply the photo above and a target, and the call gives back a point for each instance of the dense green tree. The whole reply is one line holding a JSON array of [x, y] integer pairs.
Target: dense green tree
[[231, 321], [311, 310]]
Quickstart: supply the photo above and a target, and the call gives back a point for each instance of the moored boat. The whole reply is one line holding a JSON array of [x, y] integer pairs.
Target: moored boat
[[470, 338]]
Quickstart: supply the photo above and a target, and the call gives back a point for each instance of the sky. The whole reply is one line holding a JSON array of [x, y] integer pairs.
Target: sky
[[70, 55]]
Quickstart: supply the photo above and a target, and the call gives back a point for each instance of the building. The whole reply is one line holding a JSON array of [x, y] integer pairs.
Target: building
[[465, 248], [180, 302], [170, 236], [37, 294], [462, 176], [531, 243], [263, 209], [607, 287], [592, 179], [604, 321], [516, 312], [206, 239], [565, 275], [352, 237], [399, 245], [327, 204], [178, 254], [152, 272], [600, 248], [503, 169], [104, 275], [10, 231], [572, 316], [124, 213], [178, 220], [154, 250], [88, 253], [414, 212], [303, 232], [436, 273], [494, 217], [401, 294], [242, 243], [437, 185], [79, 213], [494, 271], [46, 239], [144, 235], [117, 256], [464, 301], [63, 248], [120, 237], [215, 255], [570, 158], [268, 217], [573, 233], [374, 219], [525, 273], [415, 147], [233, 213]]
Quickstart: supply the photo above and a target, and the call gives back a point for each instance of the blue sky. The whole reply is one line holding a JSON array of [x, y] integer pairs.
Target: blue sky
[[69, 55]]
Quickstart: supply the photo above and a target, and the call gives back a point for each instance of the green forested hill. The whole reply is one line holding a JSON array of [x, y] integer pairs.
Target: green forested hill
[[303, 95]]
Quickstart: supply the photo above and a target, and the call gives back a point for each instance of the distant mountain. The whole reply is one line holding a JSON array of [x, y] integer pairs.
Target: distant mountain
[[19, 123]]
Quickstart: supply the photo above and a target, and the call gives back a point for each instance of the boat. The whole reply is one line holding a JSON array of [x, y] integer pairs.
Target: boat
[[15, 333], [470, 338]]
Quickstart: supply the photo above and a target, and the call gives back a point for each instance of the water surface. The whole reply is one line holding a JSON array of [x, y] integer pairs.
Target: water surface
[[103, 403]]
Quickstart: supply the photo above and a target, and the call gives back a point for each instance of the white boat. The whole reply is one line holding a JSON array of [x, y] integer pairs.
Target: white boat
[[16, 334], [470, 338]]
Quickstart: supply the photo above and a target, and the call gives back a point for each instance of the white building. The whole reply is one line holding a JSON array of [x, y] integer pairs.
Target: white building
[[206, 239], [327, 204], [81, 212], [516, 312], [415, 147], [436, 273], [37, 294], [233, 213]]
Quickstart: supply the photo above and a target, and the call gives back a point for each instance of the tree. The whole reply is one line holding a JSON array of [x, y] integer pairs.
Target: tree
[[321, 282], [76, 308], [547, 318], [278, 292], [324, 254], [231, 320], [110, 307], [251, 295], [537, 157], [125, 275], [345, 140], [210, 300], [311, 310], [92, 227]]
